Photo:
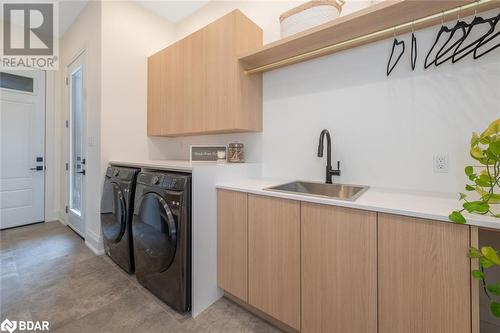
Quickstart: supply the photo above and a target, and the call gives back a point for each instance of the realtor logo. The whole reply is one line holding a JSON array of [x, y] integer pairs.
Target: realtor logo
[[37, 24], [29, 35], [8, 326]]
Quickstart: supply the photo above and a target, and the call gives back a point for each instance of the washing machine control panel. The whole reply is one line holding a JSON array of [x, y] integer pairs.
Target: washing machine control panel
[[155, 180], [121, 173], [165, 181]]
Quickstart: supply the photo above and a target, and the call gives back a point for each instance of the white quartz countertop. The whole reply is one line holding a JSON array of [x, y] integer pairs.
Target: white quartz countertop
[[433, 206], [176, 165]]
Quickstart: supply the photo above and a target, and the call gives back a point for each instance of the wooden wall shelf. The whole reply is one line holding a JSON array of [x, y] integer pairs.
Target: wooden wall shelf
[[365, 26]]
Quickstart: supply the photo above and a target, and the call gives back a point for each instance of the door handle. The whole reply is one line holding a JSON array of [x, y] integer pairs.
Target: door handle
[[38, 168], [81, 172]]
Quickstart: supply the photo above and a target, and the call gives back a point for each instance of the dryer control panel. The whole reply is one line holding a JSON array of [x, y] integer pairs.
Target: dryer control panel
[[165, 181]]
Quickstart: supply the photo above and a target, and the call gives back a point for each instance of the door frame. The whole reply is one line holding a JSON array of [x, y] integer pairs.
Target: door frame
[[43, 80], [79, 56]]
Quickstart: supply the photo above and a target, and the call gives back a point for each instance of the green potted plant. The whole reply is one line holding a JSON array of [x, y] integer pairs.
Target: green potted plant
[[484, 187]]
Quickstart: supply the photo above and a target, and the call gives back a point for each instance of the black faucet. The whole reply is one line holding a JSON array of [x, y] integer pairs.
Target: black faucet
[[329, 171]]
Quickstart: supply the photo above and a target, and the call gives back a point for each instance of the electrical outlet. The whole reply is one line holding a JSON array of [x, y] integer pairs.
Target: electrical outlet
[[441, 163]]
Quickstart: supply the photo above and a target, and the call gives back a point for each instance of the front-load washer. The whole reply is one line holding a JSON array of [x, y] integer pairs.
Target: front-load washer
[[117, 206], [161, 230]]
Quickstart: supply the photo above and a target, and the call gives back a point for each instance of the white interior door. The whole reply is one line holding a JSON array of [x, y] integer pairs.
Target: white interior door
[[22, 145], [77, 116]]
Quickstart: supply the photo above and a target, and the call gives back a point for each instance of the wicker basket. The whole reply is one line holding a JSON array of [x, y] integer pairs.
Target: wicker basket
[[309, 15]]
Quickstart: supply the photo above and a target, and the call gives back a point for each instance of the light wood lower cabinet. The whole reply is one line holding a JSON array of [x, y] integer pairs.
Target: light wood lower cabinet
[[274, 258], [339, 269], [319, 268], [232, 243], [423, 276]]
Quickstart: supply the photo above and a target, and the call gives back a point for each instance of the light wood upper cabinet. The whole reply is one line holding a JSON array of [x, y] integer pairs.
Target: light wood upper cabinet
[[274, 258], [232, 243], [423, 276], [197, 85], [339, 269]]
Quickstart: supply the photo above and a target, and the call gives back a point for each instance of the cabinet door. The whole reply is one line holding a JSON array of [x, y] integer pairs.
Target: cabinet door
[[197, 85], [339, 269], [423, 276], [232, 243], [274, 257], [165, 93]]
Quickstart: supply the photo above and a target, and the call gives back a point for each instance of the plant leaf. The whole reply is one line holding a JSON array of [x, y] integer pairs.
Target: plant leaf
[[457, 217], [493, 128], [495, 309], [477, 274], [495, 148], [481, 191], [462, 196], [491, 198], [476, 207], [483, 181], [469, 187], [490, 254], [469, 170], [474, 140], [486, 263], [494, 288], [477, 153], [475, 253]]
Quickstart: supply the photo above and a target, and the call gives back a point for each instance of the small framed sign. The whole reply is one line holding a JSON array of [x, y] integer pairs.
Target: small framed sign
[[208, 153]]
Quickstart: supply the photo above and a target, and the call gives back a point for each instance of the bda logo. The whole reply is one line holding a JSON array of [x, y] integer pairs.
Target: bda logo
[[8, 325]]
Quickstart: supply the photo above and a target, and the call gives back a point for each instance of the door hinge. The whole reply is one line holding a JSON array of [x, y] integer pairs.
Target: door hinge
[[67, 81], [67, 123], [67, 166], [67, 210]]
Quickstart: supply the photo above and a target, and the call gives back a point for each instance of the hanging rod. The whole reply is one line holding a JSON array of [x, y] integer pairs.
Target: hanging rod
[[391, 31]]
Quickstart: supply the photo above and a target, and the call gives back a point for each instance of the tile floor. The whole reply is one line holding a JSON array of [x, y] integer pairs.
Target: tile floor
[[47, 273]]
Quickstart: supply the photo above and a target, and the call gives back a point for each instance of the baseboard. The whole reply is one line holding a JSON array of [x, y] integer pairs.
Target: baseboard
[[56, 220], [274, 322], [94, 243]]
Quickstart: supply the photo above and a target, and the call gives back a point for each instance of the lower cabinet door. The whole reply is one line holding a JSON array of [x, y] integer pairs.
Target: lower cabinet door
[[423, 276], [274, 258], [232, 243], [339, 269]]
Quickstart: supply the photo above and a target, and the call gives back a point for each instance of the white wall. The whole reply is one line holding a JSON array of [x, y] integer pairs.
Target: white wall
[[117, 37], [52, 148], [84, 35], [130, 34], [385, 130]]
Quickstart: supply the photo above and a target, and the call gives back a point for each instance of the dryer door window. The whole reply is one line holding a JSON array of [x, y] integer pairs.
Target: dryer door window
[[113, 212], [155, 234]]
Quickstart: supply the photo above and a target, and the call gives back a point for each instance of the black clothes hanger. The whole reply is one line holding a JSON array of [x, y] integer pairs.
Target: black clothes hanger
[[487, 39], [463, 51], [443, 29], [394, 44], [413, 54], [460, 26]]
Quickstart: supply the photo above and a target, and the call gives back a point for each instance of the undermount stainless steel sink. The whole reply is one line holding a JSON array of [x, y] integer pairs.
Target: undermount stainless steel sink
[[334, 191]]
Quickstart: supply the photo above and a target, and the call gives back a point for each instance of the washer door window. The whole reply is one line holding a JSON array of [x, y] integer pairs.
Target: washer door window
[[113, 212], [155, 235]]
